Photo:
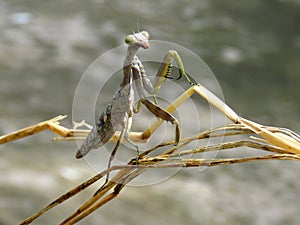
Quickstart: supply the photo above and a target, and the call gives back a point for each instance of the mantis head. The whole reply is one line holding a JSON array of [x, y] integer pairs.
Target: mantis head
[[140, 39]]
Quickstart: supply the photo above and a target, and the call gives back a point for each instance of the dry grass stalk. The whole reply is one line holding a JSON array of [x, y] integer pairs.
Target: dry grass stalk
[[282, 143]]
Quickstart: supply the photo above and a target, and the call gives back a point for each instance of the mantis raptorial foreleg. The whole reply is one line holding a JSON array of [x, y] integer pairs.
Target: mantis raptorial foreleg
[[163, 73], [143, 83], [166, 69]]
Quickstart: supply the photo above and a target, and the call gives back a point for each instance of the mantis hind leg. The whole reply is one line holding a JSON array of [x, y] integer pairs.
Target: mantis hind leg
[[124, 134], [111, 157], [164, 115]]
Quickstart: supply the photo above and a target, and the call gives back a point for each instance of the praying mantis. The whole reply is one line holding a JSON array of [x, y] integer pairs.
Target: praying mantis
[[121, 109]]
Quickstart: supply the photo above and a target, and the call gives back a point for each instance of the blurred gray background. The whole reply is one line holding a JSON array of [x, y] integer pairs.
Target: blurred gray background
[[253, 48]]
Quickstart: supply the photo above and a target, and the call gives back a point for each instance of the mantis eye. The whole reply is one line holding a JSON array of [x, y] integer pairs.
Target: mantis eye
[[129, 39], [146, 34]]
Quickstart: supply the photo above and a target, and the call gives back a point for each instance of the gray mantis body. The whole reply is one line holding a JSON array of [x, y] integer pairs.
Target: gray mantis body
[[120, 110]]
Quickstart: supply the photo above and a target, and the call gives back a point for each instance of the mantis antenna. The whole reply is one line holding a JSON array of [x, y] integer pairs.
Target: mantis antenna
[[119, 15], [139, 16]]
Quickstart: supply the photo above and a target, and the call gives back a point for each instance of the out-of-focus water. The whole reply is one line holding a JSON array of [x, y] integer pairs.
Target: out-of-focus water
[[253, 48]]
